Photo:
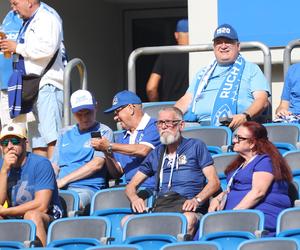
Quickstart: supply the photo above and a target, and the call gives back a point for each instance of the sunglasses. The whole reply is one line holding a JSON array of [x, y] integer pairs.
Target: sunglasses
[[14, 141]]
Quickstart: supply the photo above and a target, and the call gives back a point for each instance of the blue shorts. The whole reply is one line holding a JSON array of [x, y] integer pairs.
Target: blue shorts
[[85, 195], [48, 114]]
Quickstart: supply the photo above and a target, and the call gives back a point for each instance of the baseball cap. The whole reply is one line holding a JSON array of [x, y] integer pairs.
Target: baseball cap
[[226, 30], [123, 98], [82, 99], [182, 26], [13, 129]]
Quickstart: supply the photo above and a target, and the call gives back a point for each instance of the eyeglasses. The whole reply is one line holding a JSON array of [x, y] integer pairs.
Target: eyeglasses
[[167, 123], [117, 111], [240, 138], [14, 141]]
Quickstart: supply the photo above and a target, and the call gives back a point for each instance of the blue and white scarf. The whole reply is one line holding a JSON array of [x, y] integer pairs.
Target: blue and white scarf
[[14, 87], [226, 99]]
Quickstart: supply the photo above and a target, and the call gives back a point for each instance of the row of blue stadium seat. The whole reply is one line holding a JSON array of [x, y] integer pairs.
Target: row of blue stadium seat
[[151, 231]]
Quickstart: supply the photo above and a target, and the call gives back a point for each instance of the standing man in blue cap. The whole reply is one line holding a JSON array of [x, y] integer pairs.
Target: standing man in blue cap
[[170, 75], [140, 136], [228, 87]]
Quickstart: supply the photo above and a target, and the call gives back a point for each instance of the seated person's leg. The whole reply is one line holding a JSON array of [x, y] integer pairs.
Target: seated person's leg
[[41, 220], [192, 220], [85, 196]]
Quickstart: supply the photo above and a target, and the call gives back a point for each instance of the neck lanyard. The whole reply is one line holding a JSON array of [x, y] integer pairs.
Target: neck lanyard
[[172, 162], [235, 172], [24, 27]]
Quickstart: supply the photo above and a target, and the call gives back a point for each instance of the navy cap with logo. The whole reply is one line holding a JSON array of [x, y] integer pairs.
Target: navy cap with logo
[[227, 31], [123, 98]]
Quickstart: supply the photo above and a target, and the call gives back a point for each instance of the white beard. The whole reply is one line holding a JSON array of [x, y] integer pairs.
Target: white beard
[[168, 138]]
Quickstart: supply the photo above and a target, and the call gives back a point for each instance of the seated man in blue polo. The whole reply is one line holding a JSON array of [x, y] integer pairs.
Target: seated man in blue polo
[[288, 110], [78, 166], [228, 87], [140, 136], [182, 166]]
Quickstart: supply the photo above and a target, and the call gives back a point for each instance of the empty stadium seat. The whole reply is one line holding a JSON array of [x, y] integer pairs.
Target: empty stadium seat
[[293, 160], [117, 247], [220, 137], [6, 245], [231, 227], [270, 243], [152, 108], [247, 220], [15, 230], [113, 203], [79, 231], [155, 229], [284, 133], [192, 245], [288, 223]]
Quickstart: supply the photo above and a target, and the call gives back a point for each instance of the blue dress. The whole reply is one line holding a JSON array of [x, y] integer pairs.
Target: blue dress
[[272, 204]]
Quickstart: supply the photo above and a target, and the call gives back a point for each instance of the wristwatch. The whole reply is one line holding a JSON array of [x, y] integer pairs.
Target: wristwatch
[[199, 200], [109, 149], [248, 117]]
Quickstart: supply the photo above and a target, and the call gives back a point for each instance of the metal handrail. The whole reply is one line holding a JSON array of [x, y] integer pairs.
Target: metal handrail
[[193, 48], [287, 54], [76, 62]]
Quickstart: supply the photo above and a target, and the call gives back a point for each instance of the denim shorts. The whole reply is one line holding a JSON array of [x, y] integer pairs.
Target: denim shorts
[[48, 113]]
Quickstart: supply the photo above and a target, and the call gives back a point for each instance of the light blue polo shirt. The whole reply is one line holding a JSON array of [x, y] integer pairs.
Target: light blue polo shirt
[[252, 80], [291, 88], [73, 150], [146, 133], [188, 178]]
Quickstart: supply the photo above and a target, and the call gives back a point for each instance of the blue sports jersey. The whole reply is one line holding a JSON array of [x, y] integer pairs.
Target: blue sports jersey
[[35, 175], [11, 26], [188, 178], [147, 134], [73, 150]]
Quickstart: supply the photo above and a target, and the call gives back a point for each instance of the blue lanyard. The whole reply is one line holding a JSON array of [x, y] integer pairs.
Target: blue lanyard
[[24, 27]]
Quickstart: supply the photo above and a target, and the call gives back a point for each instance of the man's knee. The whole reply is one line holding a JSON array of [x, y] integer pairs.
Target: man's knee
[[34, 215]]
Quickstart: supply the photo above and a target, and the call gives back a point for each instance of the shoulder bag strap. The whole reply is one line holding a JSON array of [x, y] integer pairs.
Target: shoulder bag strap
[[50, 63]]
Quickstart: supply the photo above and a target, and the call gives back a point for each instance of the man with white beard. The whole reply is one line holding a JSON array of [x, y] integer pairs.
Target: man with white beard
[[183, 167]]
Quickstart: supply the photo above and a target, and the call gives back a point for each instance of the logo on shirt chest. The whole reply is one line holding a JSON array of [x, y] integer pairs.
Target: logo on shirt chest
[[182, 160]]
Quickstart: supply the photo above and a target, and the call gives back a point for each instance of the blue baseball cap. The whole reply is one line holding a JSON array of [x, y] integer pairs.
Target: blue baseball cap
[[182, 26], [227, 31], [123, 98], [82, 99]]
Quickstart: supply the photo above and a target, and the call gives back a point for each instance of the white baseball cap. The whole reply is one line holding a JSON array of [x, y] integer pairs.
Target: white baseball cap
[[13, 129], [82, 99]]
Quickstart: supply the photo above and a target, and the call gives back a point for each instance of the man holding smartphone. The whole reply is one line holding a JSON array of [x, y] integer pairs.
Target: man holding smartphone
[[78, 166], [139, 138]]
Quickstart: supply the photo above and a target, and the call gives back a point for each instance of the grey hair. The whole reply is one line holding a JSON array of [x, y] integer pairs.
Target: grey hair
[[175, 110]]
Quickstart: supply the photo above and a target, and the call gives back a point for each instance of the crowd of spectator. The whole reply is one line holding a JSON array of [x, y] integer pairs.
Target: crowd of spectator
[[148, 152]]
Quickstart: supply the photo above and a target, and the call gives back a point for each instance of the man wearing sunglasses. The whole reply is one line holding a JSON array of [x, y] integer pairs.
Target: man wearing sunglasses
[[27, 182], [139, 137], [181, 165]]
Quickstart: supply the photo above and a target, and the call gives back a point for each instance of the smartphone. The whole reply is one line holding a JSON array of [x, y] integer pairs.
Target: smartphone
[[96, 134], [225, 121]]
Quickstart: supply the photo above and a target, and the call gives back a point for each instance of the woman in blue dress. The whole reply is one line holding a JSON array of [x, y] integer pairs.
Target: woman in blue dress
[[258, 178]]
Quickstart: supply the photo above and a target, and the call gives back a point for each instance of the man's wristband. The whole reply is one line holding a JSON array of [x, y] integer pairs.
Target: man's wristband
[[248, 117]]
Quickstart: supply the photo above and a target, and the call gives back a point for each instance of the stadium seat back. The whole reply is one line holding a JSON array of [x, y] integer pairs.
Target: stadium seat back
[[270, 243]]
